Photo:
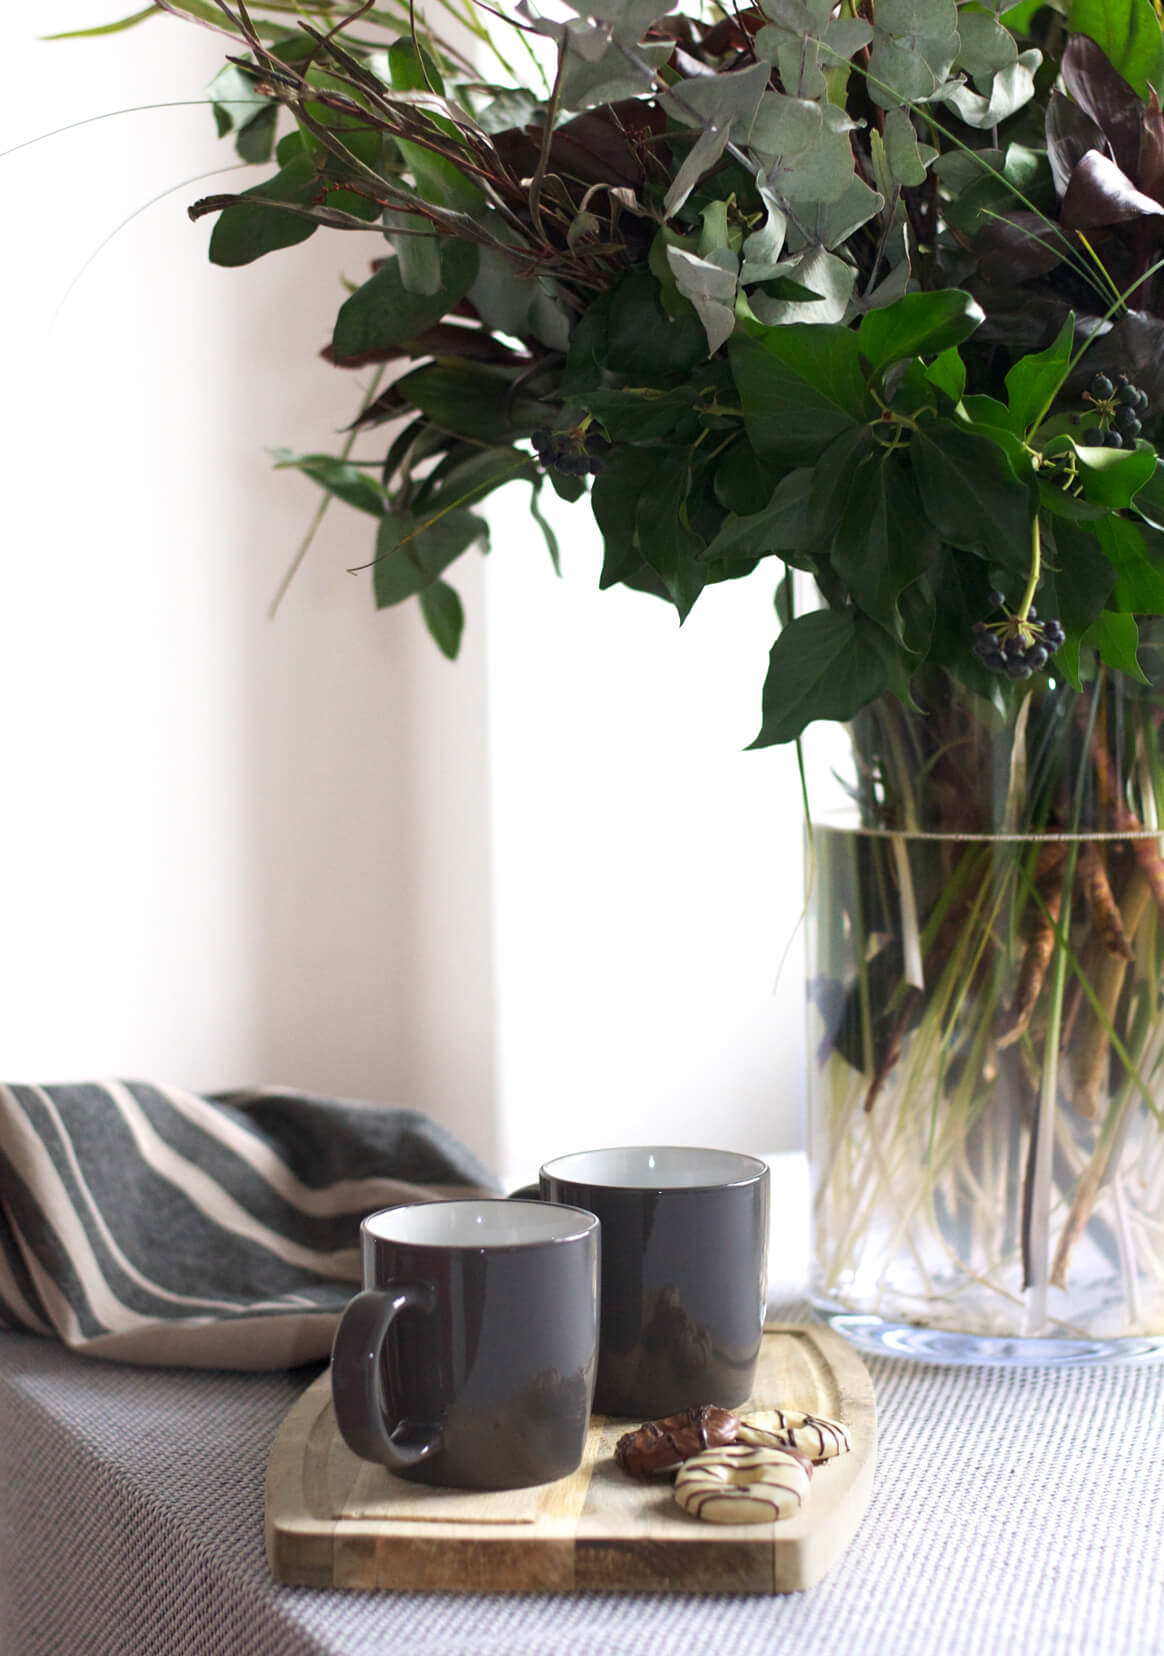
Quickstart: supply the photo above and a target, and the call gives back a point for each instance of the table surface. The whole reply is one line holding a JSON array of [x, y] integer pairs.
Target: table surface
[[1014, 1510]]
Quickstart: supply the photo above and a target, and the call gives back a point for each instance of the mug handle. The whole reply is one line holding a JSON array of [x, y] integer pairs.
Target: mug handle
[[363, 1411], [526, 1193]]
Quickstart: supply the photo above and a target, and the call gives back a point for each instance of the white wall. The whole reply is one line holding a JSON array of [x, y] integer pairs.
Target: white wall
[[648, 875], [542, 894], [231, 850]]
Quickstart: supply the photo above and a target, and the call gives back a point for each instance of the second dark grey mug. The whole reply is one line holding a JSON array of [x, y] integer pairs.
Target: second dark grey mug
[[684, 1272]]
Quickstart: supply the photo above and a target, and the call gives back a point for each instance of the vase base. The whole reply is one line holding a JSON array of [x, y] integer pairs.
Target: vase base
[[878, 1337]]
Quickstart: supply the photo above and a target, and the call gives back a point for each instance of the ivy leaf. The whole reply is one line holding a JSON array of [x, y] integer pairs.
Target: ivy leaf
[[410, 554], [1113, 477], [800, 386], [883, 541], [666, 544], [1139, 583], [1149, 497], [444, 616], [948, 372], [971, 495], [781, 526], [824, 665], [1117, 638], [383, 312], [919, 324], [1034, 381]]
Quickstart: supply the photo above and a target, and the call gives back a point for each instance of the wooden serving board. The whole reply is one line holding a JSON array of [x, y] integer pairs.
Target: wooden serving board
[[333, 1520]]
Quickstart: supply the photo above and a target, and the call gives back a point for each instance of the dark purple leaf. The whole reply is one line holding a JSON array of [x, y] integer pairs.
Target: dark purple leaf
[[1017, 246], [1135, 347], [1106, 97], [1070, 133], [1102, 193]]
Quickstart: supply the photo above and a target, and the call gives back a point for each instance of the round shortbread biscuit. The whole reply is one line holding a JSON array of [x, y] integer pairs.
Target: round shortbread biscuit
[[740, 1484], [812, 1435]]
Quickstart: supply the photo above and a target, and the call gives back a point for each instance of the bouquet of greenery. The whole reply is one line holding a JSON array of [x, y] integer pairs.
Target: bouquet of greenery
[[872, 289]]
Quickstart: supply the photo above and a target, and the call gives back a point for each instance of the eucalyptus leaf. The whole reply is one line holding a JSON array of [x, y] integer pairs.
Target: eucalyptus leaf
[[915, 44], [710, 284], [1010, 90], [824, 275]]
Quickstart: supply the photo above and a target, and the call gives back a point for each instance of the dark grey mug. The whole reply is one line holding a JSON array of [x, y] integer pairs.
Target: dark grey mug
[[684, 1271], [468, 1359]]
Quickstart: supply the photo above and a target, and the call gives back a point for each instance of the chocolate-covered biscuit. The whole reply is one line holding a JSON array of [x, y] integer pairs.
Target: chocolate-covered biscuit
[[662, 1445], [740, 1484], [812, 1435]]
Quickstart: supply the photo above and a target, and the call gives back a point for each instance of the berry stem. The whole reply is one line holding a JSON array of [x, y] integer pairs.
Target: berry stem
[[1028, 599]]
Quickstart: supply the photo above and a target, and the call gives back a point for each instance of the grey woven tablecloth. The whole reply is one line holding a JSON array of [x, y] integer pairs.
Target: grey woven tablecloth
[[1019, 1511]]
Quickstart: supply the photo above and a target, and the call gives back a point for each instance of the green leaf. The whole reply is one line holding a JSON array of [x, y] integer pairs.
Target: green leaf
[[1140, 570], [639, 413], [444, 616], [467, 477], [1034, 382], [971, 495], [781, 526], [614, 501], [822, 666], [644, 344], [347, 482], [666, 543], [948, 372], [129, 22], [472, 399], [883, 541], [1077, 583], [1113, 477], [1128, 32], [918, 324], [743, 485], [244, 232], [1149, 497], [800, 386], [412, 552], [383, 313], [1117, 638]]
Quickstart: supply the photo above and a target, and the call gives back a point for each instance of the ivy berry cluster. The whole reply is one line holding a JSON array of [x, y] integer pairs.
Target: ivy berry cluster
[[1018, 645], [1118, 408], [569, 452]]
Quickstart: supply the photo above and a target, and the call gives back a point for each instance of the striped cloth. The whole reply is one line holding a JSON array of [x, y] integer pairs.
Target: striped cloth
[[150, 1225]]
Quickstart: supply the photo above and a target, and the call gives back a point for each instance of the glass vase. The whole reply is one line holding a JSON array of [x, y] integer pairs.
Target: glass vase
[[986, 1026]]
